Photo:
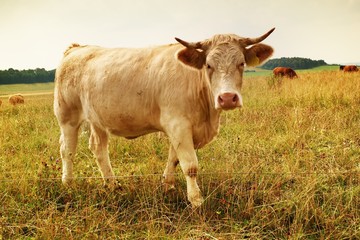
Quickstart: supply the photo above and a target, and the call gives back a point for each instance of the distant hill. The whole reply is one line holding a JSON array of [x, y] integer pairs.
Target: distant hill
[[293, 62]]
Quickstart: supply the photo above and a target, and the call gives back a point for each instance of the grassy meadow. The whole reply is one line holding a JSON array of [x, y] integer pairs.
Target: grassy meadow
[[26, 89], [286, 166]]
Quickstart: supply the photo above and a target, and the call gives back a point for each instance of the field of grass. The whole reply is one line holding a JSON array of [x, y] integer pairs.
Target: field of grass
[[256, 72], [26, 88], [286, 166]]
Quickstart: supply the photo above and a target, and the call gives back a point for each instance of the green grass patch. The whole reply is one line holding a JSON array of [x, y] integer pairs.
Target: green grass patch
[[8, 89]]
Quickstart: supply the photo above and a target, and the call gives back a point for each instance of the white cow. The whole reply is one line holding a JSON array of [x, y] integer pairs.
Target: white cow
[[179, 89]]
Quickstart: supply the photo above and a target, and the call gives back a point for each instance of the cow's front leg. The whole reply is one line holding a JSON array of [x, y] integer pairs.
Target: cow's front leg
[[169, 173], [189, 165], [182, 142]]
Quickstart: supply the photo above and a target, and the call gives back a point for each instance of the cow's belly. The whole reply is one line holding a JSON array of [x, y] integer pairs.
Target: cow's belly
[[120, 111], [131, 134], [129, 124]]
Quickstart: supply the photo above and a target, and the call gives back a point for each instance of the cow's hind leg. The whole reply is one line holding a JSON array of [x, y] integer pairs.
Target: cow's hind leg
[[169, 173], [98, 144], [68, 142]]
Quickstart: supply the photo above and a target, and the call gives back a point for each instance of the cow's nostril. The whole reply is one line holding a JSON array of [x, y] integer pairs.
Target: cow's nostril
[[235, 98], [220, 100]]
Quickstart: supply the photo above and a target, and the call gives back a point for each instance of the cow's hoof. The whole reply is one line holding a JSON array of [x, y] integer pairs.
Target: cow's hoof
[[169, 187], [112, 185], [196, 201], [67, 181]]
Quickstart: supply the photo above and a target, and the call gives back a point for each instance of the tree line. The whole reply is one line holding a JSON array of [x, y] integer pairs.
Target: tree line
[[38, 75], [293, 62]]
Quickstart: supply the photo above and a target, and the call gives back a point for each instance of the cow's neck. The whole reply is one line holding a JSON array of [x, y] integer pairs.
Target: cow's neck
[[208, 125]]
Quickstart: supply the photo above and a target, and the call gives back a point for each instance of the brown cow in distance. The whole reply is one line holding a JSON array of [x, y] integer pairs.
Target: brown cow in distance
[[16, 99], [284, 72], [179, 89], [349, 68]]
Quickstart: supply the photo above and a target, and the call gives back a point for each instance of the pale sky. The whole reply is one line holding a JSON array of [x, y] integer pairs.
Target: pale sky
[[35, 33]]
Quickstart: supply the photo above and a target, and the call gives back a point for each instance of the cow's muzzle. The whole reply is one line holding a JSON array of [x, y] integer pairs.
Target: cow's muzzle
[[228, 101]]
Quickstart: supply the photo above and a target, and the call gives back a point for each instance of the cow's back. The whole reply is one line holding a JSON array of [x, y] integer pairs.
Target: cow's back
[[278, 71], [123, 90], [284, 71], [350, 68]]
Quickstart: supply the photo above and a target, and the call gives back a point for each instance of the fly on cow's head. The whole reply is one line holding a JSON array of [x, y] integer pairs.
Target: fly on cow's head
[[224, 57]]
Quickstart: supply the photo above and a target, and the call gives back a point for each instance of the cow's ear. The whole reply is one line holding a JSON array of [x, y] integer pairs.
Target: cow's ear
[[192, 57], [257, 54]]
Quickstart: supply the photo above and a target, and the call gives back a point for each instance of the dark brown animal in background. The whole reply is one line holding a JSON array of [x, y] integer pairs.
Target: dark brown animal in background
[[16, 99], [349, 68], [284, 72]]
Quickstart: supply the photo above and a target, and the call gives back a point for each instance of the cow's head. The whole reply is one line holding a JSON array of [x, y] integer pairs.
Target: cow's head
[[224, 57]]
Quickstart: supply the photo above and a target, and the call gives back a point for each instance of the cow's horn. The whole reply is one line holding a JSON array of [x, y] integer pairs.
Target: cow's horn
[[251, 41], [196, 45]]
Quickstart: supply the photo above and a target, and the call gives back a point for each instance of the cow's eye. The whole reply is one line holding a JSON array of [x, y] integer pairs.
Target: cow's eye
[[241, 64], [208, 66]]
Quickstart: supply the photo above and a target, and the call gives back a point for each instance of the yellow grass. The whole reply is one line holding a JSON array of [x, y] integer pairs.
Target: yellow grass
[[286, 166]]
